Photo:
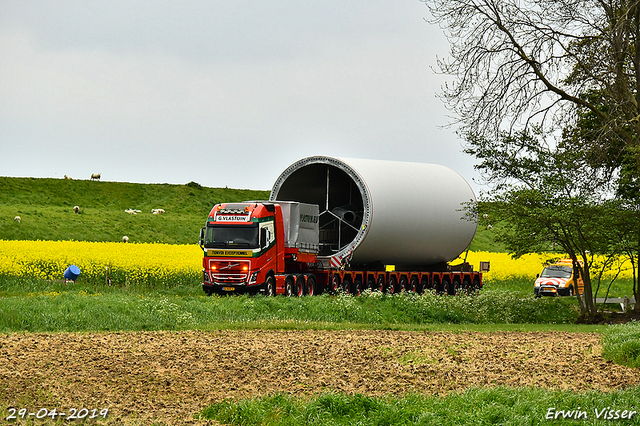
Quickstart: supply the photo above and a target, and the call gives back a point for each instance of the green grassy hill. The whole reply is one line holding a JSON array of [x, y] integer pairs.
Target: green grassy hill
[[45, 207]]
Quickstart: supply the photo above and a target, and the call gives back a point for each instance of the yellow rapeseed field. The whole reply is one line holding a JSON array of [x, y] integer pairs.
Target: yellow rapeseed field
[[133, 263], [504, 266], [167, 263]]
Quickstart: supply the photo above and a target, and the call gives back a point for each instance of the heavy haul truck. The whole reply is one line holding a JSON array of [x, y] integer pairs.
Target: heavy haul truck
[[345, 224]]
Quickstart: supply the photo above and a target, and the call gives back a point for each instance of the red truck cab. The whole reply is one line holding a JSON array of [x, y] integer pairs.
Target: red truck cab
[[246, 251]]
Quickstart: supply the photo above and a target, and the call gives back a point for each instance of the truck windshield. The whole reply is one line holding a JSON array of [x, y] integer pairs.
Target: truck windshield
[[231, 236], [556, 271]]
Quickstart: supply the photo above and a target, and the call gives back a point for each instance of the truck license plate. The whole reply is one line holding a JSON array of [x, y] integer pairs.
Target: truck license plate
[[228, 288]]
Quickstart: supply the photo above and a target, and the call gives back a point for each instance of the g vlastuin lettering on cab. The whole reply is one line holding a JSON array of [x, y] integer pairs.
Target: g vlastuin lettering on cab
[[606, 413]]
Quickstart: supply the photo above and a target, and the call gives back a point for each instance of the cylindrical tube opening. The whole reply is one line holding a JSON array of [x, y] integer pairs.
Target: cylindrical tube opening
[[338, 195]]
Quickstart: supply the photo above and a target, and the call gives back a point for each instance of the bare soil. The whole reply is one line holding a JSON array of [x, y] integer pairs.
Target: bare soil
[[167, 377]]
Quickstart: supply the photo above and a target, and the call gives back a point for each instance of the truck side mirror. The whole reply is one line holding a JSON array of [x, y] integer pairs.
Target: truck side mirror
[[264, 237], [201, 242]]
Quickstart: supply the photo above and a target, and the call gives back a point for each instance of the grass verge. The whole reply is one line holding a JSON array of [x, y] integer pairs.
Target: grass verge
[[621, 344], [503, 406], [51, 306]]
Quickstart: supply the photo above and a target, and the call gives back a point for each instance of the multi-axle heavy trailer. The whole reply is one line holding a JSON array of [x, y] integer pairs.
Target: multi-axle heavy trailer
[[335, 224]]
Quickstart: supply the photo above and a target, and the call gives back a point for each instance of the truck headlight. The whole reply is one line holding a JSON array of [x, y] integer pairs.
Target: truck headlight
[[253, 278]]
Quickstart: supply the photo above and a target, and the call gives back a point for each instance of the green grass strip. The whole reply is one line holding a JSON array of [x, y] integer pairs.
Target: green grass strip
[[621, 344], [76, 309], [479, 406]]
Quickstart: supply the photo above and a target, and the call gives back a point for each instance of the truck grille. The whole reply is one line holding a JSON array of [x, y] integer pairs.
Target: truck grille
[[224, 279]]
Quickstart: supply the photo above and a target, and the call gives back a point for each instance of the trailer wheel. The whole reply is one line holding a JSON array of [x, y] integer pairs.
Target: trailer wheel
[[466, 286], [269, 286], [380, 283], [357, 287], [299, 287], [455, 287], [288, 287], [446, 284], [393, 284], [346, 285], [335, 283], [311, 285], [371, 283], [476, 286], [413, 284], [424, 285], [403, 285], [435, 287]]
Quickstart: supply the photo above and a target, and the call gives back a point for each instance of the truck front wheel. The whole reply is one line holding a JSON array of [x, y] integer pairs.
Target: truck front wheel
[[269, 286]]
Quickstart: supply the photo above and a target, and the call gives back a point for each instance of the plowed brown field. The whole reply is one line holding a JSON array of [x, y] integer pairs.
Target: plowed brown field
[[166, 377]]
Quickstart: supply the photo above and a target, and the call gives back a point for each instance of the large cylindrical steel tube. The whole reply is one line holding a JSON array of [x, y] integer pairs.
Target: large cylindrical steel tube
[[410, 215]]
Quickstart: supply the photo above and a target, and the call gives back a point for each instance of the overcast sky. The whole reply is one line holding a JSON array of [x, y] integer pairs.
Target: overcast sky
[[223, 93]]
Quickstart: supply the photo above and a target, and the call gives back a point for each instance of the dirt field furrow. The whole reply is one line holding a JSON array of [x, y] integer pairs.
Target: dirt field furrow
[[166, 377]]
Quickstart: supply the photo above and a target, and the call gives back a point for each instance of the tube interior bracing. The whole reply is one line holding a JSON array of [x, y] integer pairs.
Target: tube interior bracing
[[339, 198]]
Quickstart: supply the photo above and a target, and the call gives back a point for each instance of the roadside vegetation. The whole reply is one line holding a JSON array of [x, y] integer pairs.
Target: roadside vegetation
[[621, 344], [38, 305], [493, 406]]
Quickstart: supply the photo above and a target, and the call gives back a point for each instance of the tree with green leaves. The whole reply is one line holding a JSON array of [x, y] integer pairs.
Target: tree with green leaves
[[549, 200], [547, 95]]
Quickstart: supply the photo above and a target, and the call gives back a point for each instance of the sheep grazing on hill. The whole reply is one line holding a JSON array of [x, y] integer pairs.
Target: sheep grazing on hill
[[125, 239], [68, 177], [157, 211], [95, 176], [76, 209], [132, 211], [17, 219]]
